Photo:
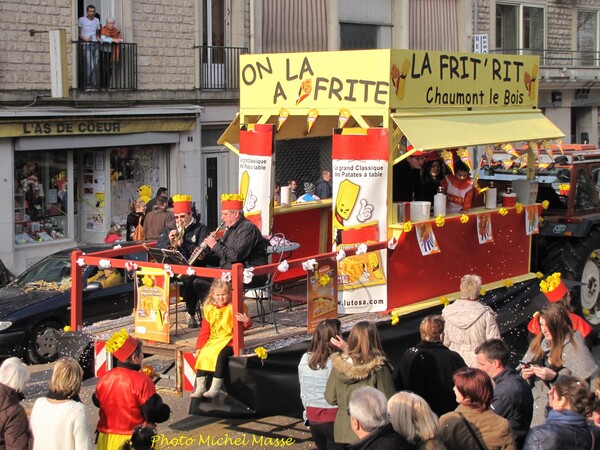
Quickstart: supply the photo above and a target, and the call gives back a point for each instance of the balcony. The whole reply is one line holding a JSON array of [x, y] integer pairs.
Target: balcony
[[220, 67], [106, 66], [563, 68]]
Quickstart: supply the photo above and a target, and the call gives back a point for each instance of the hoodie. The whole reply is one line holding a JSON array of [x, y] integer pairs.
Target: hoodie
[[468, 324], [345, 378]]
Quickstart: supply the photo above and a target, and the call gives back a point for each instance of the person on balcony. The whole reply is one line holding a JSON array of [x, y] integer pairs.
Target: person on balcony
[[89, 33], [110, 51]]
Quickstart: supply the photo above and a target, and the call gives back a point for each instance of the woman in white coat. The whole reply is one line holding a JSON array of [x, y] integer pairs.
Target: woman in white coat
[[469, 322]]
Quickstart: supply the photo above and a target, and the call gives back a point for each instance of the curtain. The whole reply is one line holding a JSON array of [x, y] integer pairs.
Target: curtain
[[433, 25]]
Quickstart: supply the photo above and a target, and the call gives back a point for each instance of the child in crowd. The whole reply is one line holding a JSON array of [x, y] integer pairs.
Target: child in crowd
[[459, 189], [114, 234], [215, 341]]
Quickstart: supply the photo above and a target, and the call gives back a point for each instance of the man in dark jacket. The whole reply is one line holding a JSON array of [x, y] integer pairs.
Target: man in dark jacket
[[186, 238], [157, 219], [369, 420], [322, 186], [427, 368], [512, 394]]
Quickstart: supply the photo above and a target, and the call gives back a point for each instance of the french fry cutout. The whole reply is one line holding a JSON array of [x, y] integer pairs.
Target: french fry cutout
[[283, 116], [507, 163], [395, 76], [508, 148], [345, 200], [448, 159], [560, 146], [463, 154], [523, 164], [304, 91], [527, 82], [313, 114], [402, 81], [536, 149], [533, 81], [244, 185], [343, 117]]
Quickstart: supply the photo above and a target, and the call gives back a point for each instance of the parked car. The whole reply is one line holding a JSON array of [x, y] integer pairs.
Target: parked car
[[37, 304]]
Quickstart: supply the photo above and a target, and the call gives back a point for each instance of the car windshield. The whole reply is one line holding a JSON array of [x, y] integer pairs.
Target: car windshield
[[53, 269]]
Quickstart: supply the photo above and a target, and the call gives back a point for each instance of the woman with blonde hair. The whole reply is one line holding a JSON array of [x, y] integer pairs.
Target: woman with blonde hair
[[362, 363], [413, 419], [556, 352], [58, 421], [469, 322]]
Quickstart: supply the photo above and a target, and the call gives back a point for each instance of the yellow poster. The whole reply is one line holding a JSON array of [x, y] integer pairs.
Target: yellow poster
[[152, 310]]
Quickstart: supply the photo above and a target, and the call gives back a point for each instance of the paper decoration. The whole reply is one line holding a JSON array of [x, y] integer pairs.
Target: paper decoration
[[283, 116], [489, 154], [448, 159], [304, 91], [508, 148], [536, 149], [463, 154], [532, 220], [560, 147], [426, 239], [548, 147], [343, 117], [313, 114], [484, 228]]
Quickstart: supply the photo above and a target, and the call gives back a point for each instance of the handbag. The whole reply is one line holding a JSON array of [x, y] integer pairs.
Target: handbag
[[468, 425], [139, 234]]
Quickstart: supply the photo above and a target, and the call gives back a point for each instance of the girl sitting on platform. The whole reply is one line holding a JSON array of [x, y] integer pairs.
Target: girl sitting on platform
[[215, 341]]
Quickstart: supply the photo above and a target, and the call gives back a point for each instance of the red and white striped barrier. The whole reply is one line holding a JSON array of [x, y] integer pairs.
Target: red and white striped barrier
[[189, 373], [100, 358]]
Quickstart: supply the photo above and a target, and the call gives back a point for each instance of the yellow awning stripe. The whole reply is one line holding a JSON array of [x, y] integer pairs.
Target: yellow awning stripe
[[429, 130]]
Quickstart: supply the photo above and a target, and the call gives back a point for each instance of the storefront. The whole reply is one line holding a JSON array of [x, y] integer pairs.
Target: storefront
[[70, 175]]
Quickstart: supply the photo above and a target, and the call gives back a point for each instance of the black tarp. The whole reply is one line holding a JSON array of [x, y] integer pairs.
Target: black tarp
[[261, 389]]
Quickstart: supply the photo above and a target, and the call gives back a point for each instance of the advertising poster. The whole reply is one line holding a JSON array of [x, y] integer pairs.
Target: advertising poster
[[256, 174], [152, 311], [322, 294], [532, 220], [360, 169], [426, 238], [484, 228]]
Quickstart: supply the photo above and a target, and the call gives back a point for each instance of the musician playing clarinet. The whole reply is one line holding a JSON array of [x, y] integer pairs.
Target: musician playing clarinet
[[186, 238]]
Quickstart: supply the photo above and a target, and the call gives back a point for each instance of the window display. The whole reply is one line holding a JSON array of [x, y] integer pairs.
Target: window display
[[40, 196]]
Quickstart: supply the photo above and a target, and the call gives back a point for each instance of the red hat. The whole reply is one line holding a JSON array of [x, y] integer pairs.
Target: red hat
[[232, 202], [554, 287], [182, 204], [121, 345], [416, 152], [433, 156], [557, 293]]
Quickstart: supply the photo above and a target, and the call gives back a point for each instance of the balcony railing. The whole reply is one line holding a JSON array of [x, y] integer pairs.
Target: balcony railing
[[220, 67], [106, 66], [557, 57]]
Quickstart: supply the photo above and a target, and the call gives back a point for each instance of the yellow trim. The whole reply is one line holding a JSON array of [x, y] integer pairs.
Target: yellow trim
[[430, 130], [231, 134]]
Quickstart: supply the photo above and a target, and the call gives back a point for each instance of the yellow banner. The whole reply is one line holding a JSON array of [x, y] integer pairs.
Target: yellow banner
[[71, 127], [386, 79], [152, 312]]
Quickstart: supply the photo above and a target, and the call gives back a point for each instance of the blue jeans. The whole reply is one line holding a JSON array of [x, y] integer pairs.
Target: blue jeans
[[91, 58]]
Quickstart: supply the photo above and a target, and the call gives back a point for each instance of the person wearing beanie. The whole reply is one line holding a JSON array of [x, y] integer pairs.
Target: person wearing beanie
[[126, 396], [186, 238], [309, 194]]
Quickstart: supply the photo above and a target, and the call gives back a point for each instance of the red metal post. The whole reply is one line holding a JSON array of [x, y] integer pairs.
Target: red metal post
[[237, 299], [76, 290]]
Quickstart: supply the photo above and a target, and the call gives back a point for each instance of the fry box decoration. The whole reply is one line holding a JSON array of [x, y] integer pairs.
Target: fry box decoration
[[553, 287], [313, 114], [152, 317], [343, 117], [463, 154], [283, 116], [322, 294], [448, 159]]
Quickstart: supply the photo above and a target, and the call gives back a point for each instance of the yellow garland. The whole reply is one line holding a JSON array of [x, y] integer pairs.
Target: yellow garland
[[395, 318], [464, 218], [444, 301], [539, 275], [116, 341], [519, 207], [550, 283], [503, 211], [261, 352], [440, 221], [67, 328], [482, 291], [508, 283], [545, 204], [407, 226]]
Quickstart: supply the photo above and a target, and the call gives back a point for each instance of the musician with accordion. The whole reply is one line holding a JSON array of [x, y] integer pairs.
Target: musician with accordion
[[186, 238]]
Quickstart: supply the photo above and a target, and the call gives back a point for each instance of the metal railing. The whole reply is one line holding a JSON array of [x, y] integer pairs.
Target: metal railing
[[220, 67], [106, 66], [556, 57]]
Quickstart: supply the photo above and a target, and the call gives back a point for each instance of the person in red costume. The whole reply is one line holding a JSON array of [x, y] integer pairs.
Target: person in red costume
[[459, 189], [557, 292], [126, 397], [215, 341]]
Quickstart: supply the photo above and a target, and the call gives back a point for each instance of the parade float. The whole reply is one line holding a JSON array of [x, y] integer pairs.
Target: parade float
[[367, 106]]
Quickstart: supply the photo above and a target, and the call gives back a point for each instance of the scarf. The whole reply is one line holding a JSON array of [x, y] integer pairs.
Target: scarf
[[113, 34]]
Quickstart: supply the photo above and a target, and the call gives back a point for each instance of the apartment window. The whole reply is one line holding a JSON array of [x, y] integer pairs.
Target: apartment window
[[355, 36], [587, 37], [520, 29]]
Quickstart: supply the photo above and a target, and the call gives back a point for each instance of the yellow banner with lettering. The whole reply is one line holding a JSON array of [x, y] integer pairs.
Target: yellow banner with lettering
[[373, 79]]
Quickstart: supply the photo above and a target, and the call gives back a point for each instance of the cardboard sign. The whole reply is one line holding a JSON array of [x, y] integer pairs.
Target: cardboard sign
[[322, 294], [152, 311]]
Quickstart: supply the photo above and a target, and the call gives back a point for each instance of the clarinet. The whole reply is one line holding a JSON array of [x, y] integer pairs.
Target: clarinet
[[198, 251]]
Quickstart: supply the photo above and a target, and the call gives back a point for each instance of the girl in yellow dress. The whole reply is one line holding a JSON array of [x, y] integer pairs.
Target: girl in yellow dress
[[215, 340]]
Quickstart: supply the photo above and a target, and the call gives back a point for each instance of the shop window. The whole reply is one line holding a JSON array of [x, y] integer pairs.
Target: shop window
[[587, 38], [40, 196], [520, 28]]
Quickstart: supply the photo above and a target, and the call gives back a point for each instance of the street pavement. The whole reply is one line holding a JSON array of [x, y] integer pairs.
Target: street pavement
[[184, 431]]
